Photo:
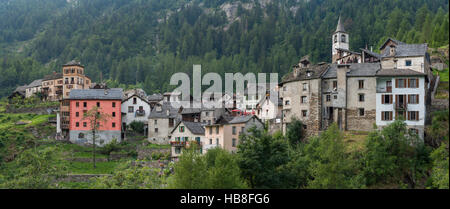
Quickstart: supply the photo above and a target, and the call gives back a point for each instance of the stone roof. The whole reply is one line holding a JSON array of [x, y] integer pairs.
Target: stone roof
[[35, 83], [194, 127], [393, 40], [191, 110], [104, 94], [53, 76], [340, 26], [155, 97], [331, 72], [398, 72], [407, 50], [363, 69], [299, 74], [73, 63], [173, 112]]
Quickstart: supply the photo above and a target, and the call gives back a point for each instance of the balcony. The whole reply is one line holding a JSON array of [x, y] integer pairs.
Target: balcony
[[178, 143], [140, 112], [400, 106]]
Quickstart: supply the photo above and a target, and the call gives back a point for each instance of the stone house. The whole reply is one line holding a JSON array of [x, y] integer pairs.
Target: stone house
[[33, 88], [183, 133], [135, 108], [52, 87], [269, 108], [161, 120], [225, 132]]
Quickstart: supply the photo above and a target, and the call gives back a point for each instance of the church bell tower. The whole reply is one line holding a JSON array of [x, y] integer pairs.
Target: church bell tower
[[340, 40]]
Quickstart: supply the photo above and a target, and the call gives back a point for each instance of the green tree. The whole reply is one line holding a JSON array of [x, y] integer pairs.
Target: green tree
[[439, 172], [295, 131]]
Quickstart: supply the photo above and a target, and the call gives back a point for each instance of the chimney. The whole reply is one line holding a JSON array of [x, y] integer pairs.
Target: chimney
[[392, 51]]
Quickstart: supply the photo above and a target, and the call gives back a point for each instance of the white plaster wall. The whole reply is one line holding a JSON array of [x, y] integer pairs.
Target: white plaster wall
[[130, 117], [411, 107]]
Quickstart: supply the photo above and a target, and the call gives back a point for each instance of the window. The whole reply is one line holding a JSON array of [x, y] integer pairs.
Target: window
[[217, 140], [156, 122], [305, 86], [335, 38], [234, 130], [77, 124], [156, 130], [113, 104], [413, 115], [114, 114], [206, 113], [233, 142], [177, 150], [287, 102], [361, 111], [77, 114], [113, 125], [413, 99], [217, 129], [328, 98], [130, 109], [343, 38], [84, 124], [400, 83], [304, 99], [181, 129], [134, 100], [305, 127], [361, 97], [84, 104], [80, 135], [98, 104], [304, 113], [334, 84], [386, 115], [335, 96], [413, 83], [361, 84], [77, 104], [386, 99], [210, 141], [408, 62]]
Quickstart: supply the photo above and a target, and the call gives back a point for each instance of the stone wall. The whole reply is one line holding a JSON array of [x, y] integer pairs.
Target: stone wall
[[35, 110], [146, 153], [102, 137], [360, 123]]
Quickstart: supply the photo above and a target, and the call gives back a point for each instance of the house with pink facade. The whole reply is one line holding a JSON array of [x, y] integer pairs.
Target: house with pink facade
[[109, 103]]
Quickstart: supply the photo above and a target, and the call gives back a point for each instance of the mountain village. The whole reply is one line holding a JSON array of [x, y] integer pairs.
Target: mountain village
[[356, 90]]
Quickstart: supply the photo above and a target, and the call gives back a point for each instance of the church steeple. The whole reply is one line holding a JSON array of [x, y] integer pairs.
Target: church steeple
[[340, 27], [340, 41]]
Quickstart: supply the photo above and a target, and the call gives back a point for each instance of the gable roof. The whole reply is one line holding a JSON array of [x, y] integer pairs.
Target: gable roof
[[363, 69], [315, 71], [393, 40], [35, 83], [194, 127], [53, 76], [135, 95], [407, 50], [398, 72], [103, 94], [173, 112]]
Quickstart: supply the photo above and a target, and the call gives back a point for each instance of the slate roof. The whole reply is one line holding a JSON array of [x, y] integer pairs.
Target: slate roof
[[242, 119], [363, 69], [331, 72], [52, 76], [398, 72], [191, 110], [194, 127], [155, 97], [394, 40], [315, 70], [73, 63], [340, 26], [21, 89], [407, 50], [374, 54], [35, 83], [111, 94], [173, 112]]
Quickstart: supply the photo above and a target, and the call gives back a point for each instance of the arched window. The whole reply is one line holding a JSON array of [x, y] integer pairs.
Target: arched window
[[80, 135], [343, 38], [335, 38]]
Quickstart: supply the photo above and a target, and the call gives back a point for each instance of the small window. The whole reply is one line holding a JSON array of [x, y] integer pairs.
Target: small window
[[113, 104], [130, 109], [156, 130], [386, 115], [335, 38], [361, 97], [335, 97], [77, 124], [210, 141], [181, 129], [304, 113], [408, 62], [134, 100], [84, 104], [233, 142], [77, 104], [334, 84], [304, 99], [328, 98], [361, 84], [177, 150], [156, 122], [98, 104], [77, 114], [413, 115], [217, 140], [217, 129], [413, 83], [113, 125], [234, 130], [413, 99], [386, 99], [343, 38], [114, 114], [84, 124], [361, 111], [400, 83], [305, 86], [287, 102]]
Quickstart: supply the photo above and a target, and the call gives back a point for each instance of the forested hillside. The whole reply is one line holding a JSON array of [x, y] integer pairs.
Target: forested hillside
[[143, 42]]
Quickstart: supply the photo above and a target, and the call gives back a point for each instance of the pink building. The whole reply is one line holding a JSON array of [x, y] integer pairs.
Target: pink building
[[108, 101]]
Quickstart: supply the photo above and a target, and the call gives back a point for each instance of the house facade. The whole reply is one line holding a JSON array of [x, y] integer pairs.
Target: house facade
[[135, 108], [52, 87], [109, 103], [183, 133], [161, 120], [33, 88]]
